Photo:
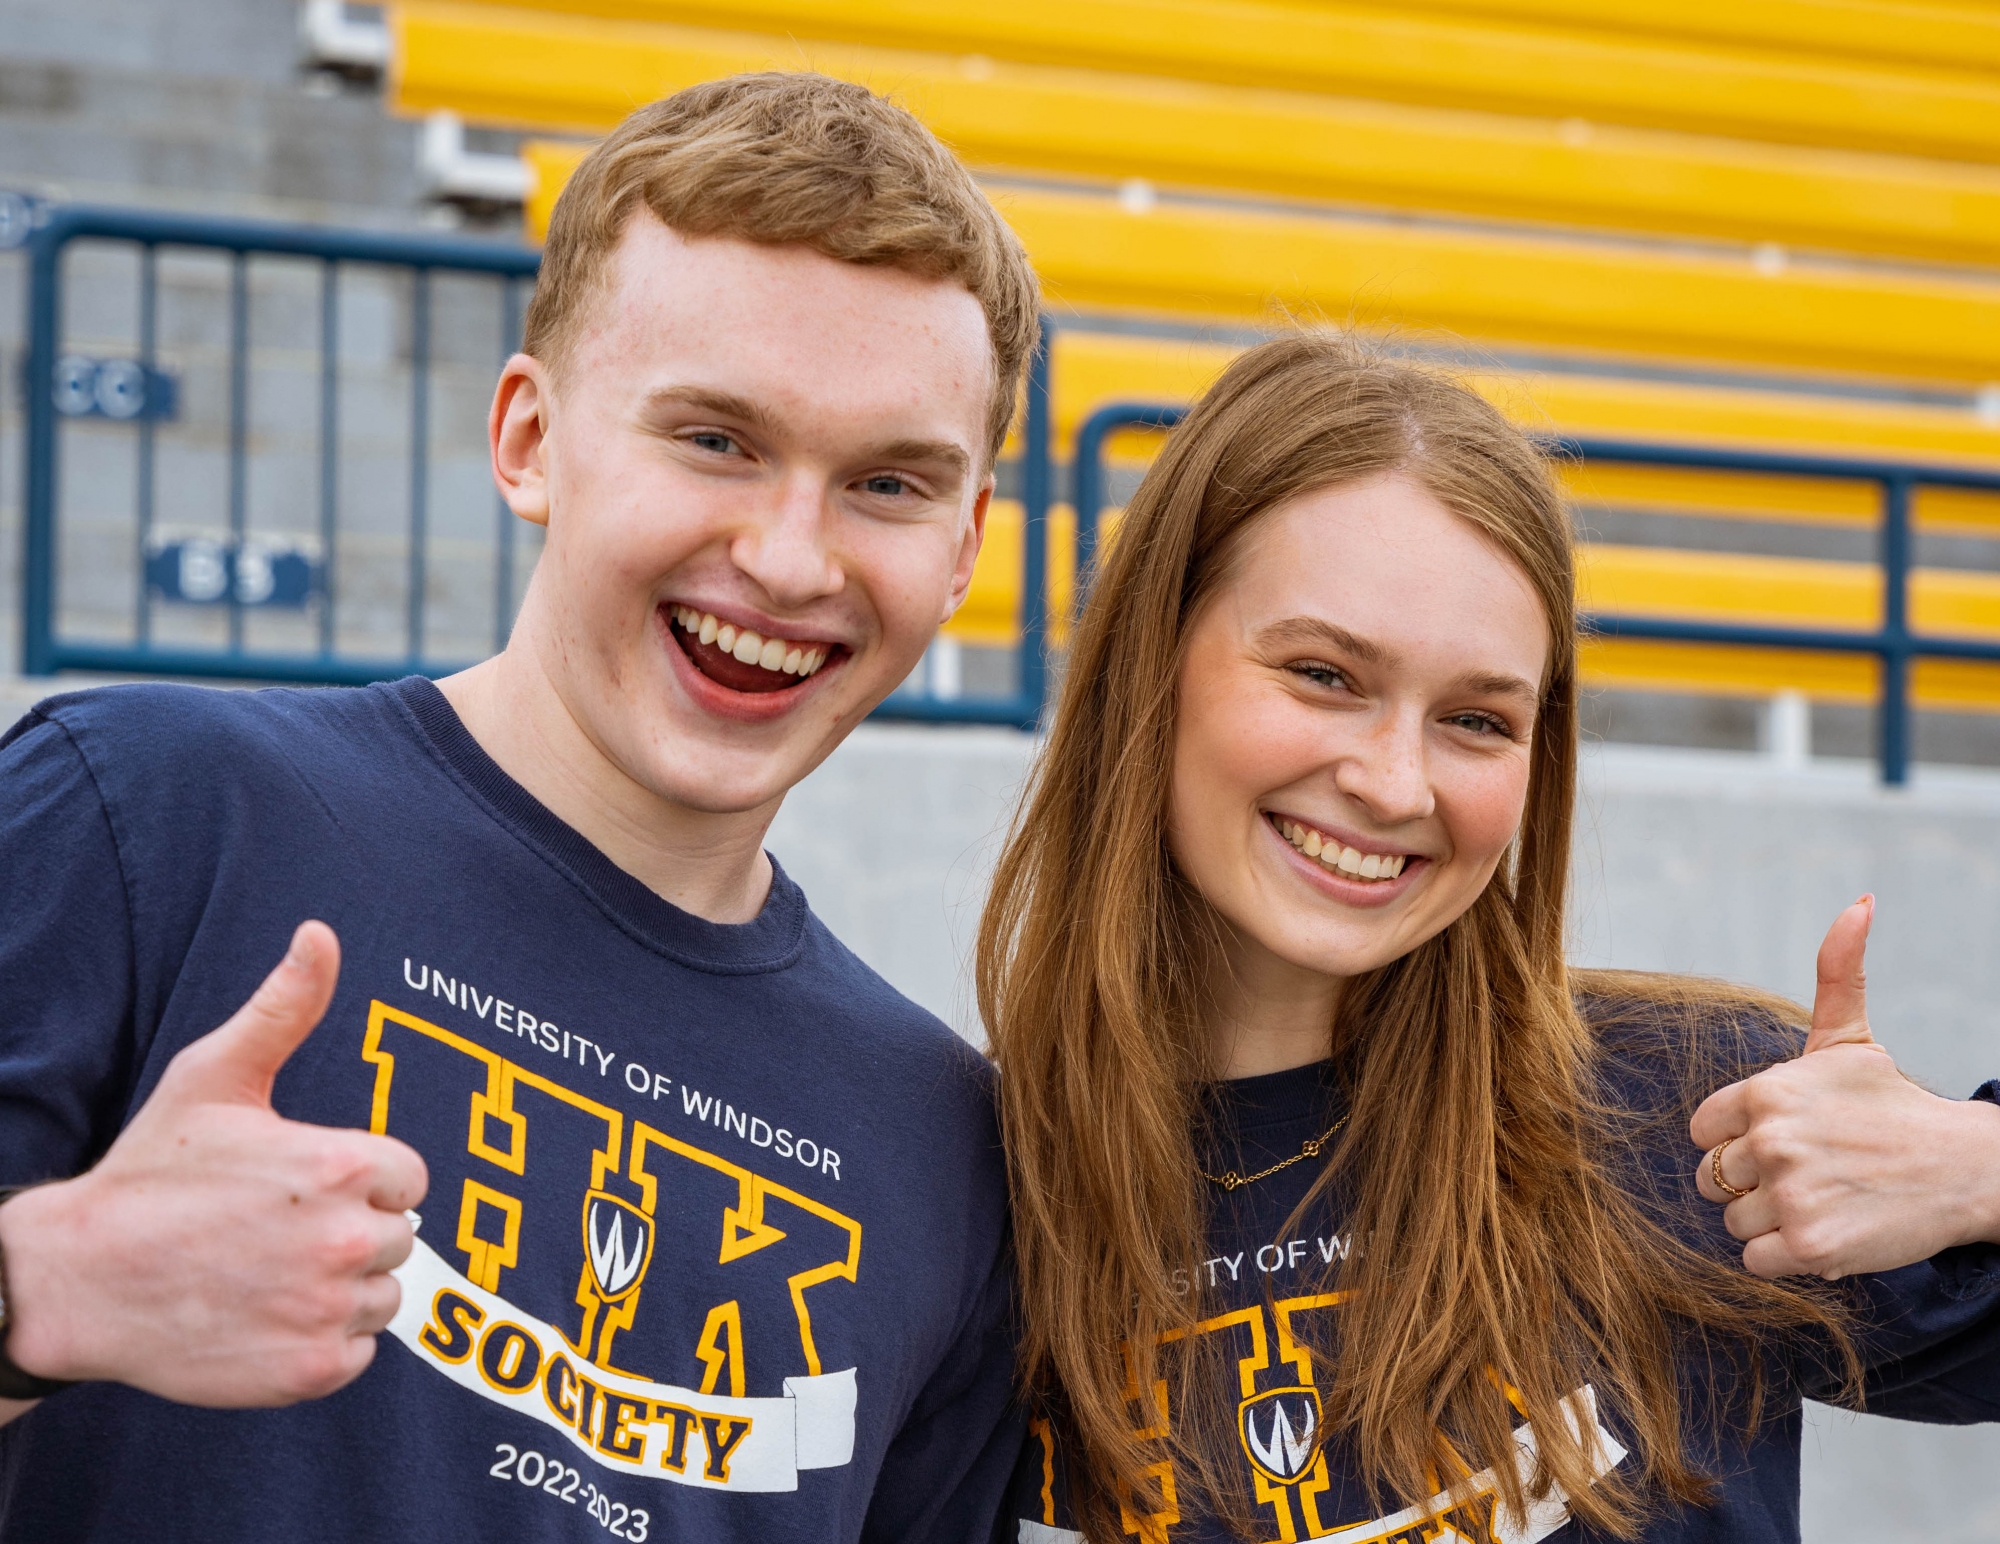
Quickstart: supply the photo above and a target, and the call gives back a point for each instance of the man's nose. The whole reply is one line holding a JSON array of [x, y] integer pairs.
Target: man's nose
[[786, 546], [1388, 772]]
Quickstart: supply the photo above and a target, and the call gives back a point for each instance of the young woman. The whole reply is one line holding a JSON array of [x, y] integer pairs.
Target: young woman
[[1344, 1209]]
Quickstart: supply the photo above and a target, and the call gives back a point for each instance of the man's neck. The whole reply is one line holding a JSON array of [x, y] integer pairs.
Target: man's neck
[[712, 865]]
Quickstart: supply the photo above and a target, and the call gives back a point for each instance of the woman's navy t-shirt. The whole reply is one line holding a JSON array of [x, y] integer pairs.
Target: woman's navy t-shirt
[[1930, 1335], [714, 1242]]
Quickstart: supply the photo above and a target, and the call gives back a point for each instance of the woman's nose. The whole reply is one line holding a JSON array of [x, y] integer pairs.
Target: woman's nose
[[1388, 772]]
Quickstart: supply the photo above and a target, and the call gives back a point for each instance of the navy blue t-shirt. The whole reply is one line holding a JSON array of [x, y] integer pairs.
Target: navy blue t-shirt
[[1929, 1335], [714, 1246]]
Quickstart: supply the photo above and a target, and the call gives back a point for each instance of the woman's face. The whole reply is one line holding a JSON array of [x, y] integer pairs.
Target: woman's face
[[1356, 708]]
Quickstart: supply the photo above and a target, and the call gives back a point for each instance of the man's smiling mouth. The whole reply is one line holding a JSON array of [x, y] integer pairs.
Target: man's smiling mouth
[[742, 660]]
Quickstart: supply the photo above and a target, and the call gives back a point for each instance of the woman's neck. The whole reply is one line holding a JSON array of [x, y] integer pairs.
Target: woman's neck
[[1266, 1014]]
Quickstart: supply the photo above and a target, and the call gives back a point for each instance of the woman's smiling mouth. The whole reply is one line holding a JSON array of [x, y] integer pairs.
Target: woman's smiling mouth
[[1336, 857]]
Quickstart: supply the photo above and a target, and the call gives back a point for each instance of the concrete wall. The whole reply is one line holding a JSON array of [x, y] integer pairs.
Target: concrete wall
[[1688, 861]]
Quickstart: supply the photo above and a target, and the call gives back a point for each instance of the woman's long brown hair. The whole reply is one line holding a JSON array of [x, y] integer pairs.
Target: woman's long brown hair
[[1506, 1255]]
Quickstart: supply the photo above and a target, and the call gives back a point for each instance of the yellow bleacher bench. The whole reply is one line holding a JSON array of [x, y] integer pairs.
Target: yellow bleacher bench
[[1861, 98], [536, 71], [1502, 289]]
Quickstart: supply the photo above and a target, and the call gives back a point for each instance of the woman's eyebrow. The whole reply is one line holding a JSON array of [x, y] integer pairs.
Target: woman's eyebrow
[[1496, 684], [1316, 632], [1308, 632]]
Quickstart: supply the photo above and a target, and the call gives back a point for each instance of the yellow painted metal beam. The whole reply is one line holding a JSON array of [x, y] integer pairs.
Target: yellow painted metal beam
[[501, 65], [1779, 592], [1600, 298], [1716, 670], [1506, 289], [1864, 99], [1954, 36], [1088, 370]]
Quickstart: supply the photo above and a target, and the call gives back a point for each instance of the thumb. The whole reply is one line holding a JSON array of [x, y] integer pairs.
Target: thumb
[[1840, 1002], [237, 1063]]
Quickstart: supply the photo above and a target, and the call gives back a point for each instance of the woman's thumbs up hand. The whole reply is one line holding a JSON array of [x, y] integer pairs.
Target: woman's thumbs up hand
[[1840, 999], [1834, 1163], [219, 1254]]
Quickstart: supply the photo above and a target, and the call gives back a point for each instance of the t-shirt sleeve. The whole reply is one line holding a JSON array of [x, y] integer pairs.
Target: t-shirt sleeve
[[66, 966], [944, 1479]]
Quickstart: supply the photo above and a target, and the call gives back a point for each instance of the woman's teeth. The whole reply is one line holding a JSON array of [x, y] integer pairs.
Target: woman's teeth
[[1345, 860], [747, 647]]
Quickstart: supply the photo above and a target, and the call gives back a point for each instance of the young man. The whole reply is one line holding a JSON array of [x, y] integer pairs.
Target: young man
[[705, 1234]]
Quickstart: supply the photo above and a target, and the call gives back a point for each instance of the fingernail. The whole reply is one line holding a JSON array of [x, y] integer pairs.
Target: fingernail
[[300, 951]]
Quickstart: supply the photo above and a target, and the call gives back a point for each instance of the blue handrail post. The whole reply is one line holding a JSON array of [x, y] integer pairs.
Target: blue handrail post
[[1089, 473], [1895, 696], [239, 435], [329, 448], [1037, 477], [38, 534], [420, 459]]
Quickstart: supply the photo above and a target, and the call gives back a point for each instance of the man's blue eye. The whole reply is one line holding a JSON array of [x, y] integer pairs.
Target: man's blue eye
[[888, 487], [721, 444]]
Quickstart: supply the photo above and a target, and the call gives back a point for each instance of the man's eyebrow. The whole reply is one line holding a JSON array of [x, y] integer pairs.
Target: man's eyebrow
[[1308, 632], [907, 452], [724, 404]]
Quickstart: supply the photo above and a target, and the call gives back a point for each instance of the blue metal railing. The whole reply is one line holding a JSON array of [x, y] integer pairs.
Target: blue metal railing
[[422, 258], [1894, 643], [44, 649]]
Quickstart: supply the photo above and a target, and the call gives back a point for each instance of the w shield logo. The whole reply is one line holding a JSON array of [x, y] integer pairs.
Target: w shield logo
[[1280, 1428], [618, 1239]]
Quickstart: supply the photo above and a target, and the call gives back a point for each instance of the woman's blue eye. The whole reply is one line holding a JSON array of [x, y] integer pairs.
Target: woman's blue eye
[[1479, 723], [1320, 675]]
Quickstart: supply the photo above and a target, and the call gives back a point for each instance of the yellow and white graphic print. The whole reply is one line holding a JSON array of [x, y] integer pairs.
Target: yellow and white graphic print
[[767, 1249], [1279, 1426]]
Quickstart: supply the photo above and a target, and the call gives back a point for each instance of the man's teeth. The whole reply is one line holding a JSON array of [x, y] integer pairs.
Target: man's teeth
[[1346, 860], [773, 654]]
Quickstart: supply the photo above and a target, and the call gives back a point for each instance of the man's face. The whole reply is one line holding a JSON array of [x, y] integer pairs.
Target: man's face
[[762, 472]]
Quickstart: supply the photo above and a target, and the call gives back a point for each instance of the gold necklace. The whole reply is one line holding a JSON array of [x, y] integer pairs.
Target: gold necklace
[[1230, 1179]]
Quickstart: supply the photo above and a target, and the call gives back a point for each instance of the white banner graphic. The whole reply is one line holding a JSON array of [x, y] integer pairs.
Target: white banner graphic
[[484, 1343], [1432, 1520]]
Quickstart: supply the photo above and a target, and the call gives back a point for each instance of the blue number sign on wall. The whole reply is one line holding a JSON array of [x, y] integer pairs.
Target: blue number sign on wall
[[114, 388], [202, 572]]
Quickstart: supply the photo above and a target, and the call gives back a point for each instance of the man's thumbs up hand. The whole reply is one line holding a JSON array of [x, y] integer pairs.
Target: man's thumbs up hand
[[238, 1063], [219, 1254], [1840, 999]]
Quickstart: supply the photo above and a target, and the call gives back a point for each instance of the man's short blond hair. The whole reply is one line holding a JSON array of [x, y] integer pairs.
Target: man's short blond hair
[[783, 159]]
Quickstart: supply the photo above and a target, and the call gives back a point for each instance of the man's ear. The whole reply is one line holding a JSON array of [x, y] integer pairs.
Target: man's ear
[[968, 550], [517, 431]]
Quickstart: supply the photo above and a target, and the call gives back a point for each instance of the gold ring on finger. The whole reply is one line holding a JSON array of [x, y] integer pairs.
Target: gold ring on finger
[[1715, 1173]]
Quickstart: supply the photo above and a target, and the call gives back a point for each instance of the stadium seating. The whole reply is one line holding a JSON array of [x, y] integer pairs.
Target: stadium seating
[[1394, 52], [1768, 225], [542, 72]]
